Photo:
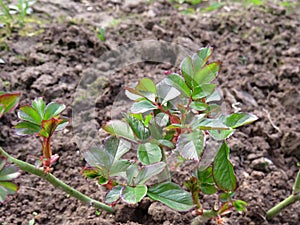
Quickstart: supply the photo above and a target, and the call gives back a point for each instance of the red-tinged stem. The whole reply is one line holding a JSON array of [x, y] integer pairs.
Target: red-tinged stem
[[47, 153], [189, 102]]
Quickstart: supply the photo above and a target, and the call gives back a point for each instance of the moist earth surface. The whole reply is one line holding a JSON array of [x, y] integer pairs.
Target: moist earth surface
[[259, 49]]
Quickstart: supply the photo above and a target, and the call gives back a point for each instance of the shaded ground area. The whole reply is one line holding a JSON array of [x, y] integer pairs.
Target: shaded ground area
[[259, 48]]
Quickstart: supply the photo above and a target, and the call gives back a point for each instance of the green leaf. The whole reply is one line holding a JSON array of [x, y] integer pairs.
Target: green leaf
[[225, 197], [214, 111], [106, 160], [2, 109], [133, 195], [146, 85], [98, 157], [196, 120], [206, 181], [145, 88], [9, 101], [207, 73], [133, 94], [165, 143], [239, 119], [162, 119], [113, 195], [116, 148], [119, 167], [147, 119], [62, 124], [176, 81], [215, 96], [92, 172], [156, 131], [10, 187], [138, 128], [8, 172], [212, 124], [220, 135], [27, 128], [53, 109], [102, 180], [2, 162], [208, 189], [142, 106], [200, 106], [205, 53], [223, 170], [174, 126], [120, 129], [29, 114], [101, 34], [131, 173], [198, 62], [166, 93], [205, 175], [190, 145], [171, 195], [187, 71], [3, 194], [149, 153], [148, 172], [202, 91], [240, 205], [39, 105]]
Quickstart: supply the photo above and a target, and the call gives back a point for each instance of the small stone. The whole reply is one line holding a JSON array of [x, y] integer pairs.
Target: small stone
[[261, 164], [151, 13], [252, 156], [90, 8], [257, 175]]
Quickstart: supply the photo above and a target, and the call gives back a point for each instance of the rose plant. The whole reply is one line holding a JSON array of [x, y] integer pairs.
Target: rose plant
[[170, 125]]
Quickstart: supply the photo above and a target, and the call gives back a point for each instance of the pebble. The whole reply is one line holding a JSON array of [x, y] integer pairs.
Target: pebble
[[257, 175], [261, 164]]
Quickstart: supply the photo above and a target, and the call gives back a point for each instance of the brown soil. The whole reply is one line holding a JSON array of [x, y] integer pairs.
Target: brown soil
[[259, 48]]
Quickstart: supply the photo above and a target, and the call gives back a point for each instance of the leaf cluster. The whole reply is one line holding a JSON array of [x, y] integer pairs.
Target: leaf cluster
[[178, 114], [41, 119]]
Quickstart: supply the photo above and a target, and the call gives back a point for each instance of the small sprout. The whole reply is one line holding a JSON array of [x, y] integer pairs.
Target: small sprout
[[98, 213], [42, 120], [101, 34]]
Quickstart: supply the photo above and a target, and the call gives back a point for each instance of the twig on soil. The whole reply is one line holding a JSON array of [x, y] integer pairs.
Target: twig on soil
[[271, 121], [56, 182]]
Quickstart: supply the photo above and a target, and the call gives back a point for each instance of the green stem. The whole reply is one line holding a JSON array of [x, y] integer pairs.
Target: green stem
[[57, 183], [294, 197], [165, 174], [5, 9], [280, 206], [296, 188]]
